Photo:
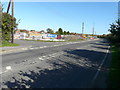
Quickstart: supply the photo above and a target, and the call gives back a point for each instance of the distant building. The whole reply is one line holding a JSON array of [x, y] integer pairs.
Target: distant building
[[35, 35], [21, 34], [17, 34]]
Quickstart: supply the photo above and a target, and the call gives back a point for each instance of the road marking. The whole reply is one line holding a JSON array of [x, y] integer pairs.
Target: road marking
[[31, 48], [48, 57], [50, 46], [44, 56], [44, 46], [41, 58], [99, 68], [24, 49], [8, 68], [41, 47], [56, 45]]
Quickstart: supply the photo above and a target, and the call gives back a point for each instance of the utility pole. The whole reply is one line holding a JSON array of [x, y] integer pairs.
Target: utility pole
[[0, 22], [82, 27], [95, 33], [8, 6], [93, 30], [12, 31], [12, 22]]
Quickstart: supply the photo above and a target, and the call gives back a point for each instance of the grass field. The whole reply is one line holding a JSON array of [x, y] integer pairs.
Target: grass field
[[114, 75], [5, 44]]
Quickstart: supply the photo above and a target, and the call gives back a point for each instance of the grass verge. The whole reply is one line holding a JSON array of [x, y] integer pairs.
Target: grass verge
[[54, 41], [5, 44], [114, 75]]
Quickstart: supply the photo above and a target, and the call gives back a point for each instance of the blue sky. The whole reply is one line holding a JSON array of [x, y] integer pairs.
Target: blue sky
[[66, 15]]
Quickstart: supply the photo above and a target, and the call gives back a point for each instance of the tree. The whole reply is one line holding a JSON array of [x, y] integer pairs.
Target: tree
[[60, 31], [7, 26], [42, 31], [50, 31], [32, 30], [64, 32], [115, 31], [68, 32]]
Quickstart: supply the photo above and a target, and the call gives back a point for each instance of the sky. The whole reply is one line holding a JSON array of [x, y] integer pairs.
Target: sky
[[66, 15], [62, 0]]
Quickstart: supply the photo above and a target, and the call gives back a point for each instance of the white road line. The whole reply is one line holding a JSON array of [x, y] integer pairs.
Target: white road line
[[24, 49], [44, 46], [44, 56], [41, 58], [48, 57], [56, 45], [99, 68], [41, 47], [8, 68], [4, 72], [31, 48], [53, 45]]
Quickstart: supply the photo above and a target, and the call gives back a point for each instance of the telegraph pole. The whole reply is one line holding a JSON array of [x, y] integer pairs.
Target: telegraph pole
[[12, 31], [93, 30], [8, 6], [82, 27], [0, 22], [12, 21], [95, 33]]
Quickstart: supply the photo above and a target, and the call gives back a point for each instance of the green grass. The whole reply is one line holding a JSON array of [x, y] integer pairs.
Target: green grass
[[42, 40], [5, 44], [54, 41], [114, 75]]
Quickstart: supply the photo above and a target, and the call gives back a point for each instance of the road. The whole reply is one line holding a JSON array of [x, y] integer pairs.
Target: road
[[58, 65]]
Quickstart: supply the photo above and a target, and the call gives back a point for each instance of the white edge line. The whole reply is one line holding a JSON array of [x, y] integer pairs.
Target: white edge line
[[99, 68]]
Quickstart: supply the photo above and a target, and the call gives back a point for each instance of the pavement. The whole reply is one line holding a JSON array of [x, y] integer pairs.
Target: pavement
[[57, 65]]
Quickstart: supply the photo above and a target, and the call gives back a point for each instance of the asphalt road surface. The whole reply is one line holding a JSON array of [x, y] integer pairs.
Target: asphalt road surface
[[58, 65]]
